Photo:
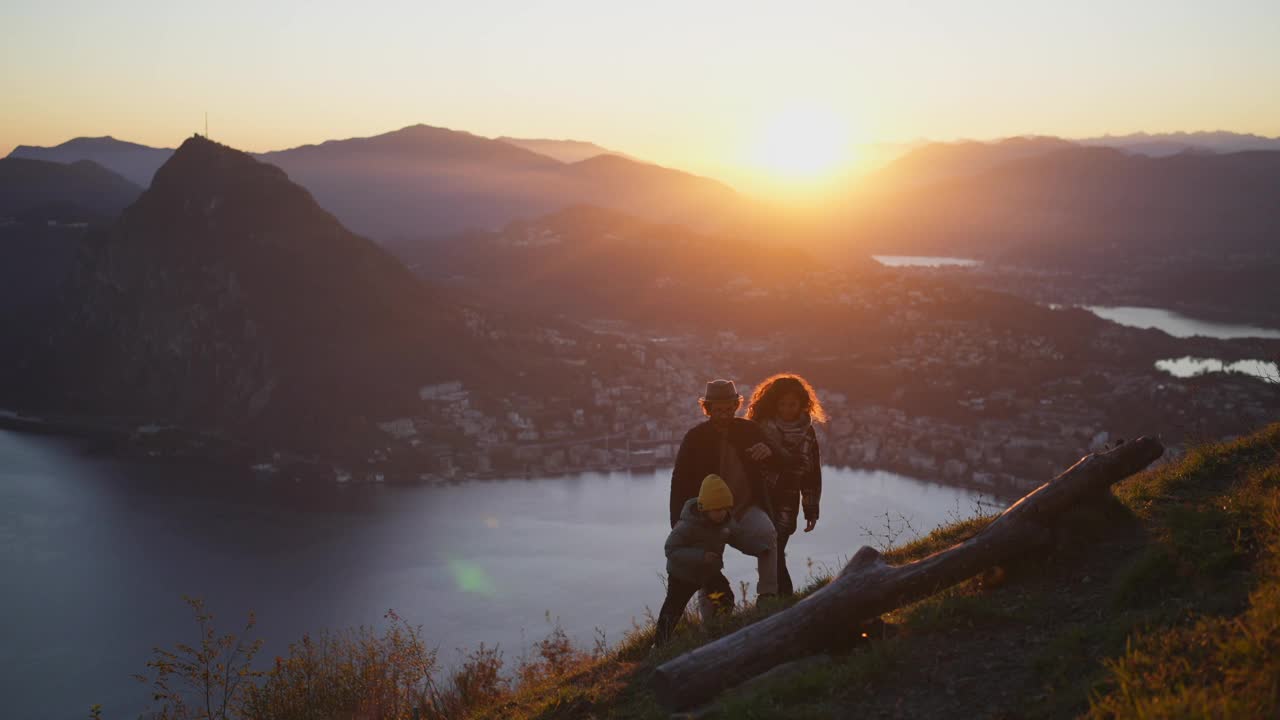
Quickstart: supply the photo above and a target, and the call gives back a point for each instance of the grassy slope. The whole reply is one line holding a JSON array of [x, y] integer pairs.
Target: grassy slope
[[1166, 604]]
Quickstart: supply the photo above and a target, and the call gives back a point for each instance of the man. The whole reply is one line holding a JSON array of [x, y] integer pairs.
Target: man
[[735, 449]]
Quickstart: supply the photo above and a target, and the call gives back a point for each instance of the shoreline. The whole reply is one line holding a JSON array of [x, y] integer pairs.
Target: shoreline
[[128, 443]]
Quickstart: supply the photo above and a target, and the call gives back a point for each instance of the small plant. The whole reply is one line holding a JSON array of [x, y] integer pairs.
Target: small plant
[[895, 526], [599, 644], [978, 510], [207, 681], [556, 654]]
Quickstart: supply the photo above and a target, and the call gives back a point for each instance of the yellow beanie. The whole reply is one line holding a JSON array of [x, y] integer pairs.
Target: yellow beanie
[[715, 494]]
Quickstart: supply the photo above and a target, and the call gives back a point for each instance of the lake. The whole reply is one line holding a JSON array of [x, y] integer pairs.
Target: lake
[[924, 261], [1185, 367], [97, 552], [1176, 324]]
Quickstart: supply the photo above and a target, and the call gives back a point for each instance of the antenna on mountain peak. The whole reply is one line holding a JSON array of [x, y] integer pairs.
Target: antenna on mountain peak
[[206, 124]]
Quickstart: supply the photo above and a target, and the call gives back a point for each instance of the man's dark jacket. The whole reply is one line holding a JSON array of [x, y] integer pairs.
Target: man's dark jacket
[[699, 457]]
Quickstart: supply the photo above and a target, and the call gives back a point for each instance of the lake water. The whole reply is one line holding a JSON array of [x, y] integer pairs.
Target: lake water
[[924, 261], [1185, 367], [96, 554], [1178, 325]]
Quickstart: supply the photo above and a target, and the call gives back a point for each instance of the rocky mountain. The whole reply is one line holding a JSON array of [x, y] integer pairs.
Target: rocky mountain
[[136, 162], [567, 151], [225, 298], [41, 190], [1078, 200], [425, 181]]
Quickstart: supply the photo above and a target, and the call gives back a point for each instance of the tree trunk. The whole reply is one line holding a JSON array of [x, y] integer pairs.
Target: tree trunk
[[868, 587]]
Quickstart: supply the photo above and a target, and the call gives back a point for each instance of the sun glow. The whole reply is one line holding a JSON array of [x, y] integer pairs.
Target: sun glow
[[803, 144]]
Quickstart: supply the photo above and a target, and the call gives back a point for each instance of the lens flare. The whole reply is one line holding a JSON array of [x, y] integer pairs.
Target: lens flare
[[471, 578]]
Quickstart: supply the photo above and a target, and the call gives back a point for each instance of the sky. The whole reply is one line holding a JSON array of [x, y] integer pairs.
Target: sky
[[740, 90]]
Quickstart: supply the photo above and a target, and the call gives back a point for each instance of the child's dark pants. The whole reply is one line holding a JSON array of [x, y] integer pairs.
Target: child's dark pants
[[784, 522], [678, 595]]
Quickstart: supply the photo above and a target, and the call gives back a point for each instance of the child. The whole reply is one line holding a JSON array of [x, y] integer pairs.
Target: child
[[785, 406], [695, 550]]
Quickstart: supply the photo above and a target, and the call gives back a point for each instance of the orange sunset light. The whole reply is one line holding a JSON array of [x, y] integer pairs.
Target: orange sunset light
[[802, 147]]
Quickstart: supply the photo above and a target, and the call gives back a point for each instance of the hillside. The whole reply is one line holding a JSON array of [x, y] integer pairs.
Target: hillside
[[41, 190], [591, 264], [1165, 605], [424, 181], [936, 162], [1092, 201], [138, 163]]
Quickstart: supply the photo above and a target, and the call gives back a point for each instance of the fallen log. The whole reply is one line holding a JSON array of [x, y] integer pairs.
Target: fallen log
[[788, 669], [868, 586]]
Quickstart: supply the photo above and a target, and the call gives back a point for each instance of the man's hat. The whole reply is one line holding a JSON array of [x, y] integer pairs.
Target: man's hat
[[721, 391]]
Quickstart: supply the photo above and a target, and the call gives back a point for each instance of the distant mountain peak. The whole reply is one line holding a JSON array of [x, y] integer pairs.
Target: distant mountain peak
[[207, 156], [132, 160], [203, 174], [425, 129], [101, 143]]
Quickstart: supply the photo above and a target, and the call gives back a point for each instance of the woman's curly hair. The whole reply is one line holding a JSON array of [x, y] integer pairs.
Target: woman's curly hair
[[764, 401]]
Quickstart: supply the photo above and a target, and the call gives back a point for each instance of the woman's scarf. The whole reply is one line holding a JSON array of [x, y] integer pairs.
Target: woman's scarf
[[790, 434]]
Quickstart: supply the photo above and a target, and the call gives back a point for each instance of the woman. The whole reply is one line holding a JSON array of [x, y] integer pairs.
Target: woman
[[786, 407]]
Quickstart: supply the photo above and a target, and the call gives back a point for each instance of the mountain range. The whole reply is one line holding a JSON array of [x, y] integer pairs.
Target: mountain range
[[1073, 201], [427, 181], [1024, 196], [225, 297]]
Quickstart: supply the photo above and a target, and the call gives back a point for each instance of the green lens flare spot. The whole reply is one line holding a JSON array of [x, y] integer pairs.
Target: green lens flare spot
[[470, 577]]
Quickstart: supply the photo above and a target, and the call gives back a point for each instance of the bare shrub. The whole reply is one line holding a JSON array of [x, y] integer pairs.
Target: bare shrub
[[355, 673], [360, 674], [555, 655], [210, 680], [895, 526]]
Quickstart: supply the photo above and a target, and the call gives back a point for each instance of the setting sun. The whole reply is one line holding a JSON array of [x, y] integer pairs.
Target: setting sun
[[802, 144]]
